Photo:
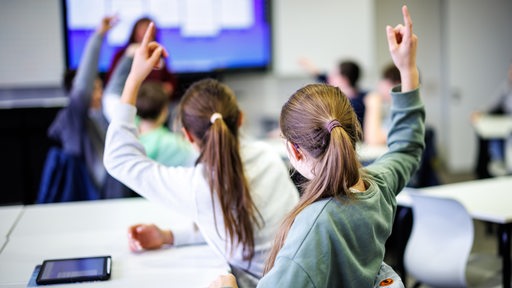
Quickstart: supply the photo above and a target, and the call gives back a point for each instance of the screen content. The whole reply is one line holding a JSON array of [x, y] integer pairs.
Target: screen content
[[73, 268], [200, 35]]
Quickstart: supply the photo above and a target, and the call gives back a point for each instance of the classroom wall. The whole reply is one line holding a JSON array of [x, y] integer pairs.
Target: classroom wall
[[31, 52], [322, 31], [477, 49]]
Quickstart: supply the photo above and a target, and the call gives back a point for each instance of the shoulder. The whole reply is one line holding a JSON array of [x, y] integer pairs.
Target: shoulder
[[166, 134], [165, 140], [310, 219]]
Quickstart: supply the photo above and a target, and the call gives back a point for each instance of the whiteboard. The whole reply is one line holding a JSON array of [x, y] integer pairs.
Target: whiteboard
[[31, 53]]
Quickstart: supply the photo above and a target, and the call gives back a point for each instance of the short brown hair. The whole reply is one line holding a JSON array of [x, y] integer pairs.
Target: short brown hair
[[391, 73], [151, 100]]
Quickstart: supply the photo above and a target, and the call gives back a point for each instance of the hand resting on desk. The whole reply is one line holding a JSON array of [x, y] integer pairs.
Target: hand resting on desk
[[148, 237], [224, 281]]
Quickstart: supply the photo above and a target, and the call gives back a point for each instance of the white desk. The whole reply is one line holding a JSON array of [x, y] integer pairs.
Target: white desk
[[493, 126], [88, 216], [99, 228], [487, 200], [8, 215], [489, 127]]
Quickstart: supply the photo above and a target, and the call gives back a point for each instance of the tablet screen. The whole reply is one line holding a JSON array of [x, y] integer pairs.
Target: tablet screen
[[74, 270]]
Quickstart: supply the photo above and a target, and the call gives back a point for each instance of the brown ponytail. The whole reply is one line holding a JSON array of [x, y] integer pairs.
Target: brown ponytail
[[220, 154], [304, 122]]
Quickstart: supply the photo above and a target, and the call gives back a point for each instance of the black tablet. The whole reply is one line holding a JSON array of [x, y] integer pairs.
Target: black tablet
[[74, 270]]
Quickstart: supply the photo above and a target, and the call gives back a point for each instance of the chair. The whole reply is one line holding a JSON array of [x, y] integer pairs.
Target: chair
[[65, 178], [438, 251]]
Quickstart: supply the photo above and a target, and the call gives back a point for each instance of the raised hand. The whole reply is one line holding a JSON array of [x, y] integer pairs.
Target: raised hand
[[147, 56], [107, 23], [402, 47]]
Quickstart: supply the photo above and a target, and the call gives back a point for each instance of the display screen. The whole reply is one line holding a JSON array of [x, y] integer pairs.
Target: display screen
[[79, 269], [200, 35]]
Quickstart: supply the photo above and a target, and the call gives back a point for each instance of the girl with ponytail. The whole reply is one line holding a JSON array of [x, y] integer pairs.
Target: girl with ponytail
[[237, 193], [335, 236]]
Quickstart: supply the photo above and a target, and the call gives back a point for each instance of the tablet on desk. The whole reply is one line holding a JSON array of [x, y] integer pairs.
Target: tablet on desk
[[72, 270]]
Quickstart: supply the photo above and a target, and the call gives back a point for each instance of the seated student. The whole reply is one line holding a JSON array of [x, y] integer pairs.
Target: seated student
[[80, 129], [162, 145], [377, 124], [346, 77], [335, 236], [377, 103], [237, 193]]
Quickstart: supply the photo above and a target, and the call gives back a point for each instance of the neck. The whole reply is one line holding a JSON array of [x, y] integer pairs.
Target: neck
[[146, 126], [350, 92]]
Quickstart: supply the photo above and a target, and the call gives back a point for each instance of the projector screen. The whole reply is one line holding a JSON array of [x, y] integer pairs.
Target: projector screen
[[201, 36]]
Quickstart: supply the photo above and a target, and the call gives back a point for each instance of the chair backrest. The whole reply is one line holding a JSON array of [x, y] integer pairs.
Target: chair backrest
[[65, 178], [440, 243]]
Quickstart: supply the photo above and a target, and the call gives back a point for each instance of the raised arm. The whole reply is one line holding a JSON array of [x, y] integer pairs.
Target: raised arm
[[125, 158], [114, 88], [83, 82], [406, 136], [147, 57], [402, 47]]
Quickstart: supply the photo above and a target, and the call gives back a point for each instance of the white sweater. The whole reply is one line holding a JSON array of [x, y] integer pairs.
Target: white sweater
[[186, 190]]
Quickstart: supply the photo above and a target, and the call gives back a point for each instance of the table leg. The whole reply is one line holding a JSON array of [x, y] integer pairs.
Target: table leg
[[505, 252], [482, 159]]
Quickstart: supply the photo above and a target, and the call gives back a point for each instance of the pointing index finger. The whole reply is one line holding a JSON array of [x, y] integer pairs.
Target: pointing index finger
[[148, 36], [407, 17]]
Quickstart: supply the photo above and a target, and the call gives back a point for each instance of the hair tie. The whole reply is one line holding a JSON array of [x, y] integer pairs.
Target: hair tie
[[214, 117], [332, 124]]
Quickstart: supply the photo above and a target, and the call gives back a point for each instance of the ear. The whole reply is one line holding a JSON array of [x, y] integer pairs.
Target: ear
[[294, 151], [240, 119], [187, 134]]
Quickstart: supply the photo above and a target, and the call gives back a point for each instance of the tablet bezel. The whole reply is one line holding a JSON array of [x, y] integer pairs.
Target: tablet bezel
[[105, 275]]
